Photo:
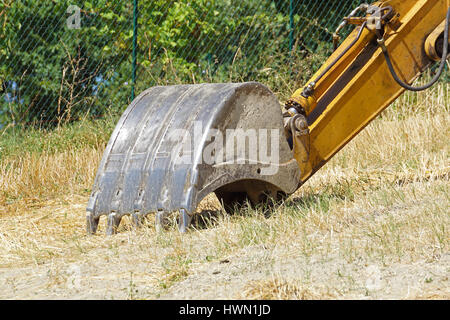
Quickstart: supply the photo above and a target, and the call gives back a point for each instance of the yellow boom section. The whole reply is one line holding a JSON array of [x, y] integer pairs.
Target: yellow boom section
[[359, 86]]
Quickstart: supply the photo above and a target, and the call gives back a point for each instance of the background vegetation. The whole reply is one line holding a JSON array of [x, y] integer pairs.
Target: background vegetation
[[51, 74]]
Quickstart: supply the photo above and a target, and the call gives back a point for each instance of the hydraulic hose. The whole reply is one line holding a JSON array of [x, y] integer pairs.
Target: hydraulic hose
[[441, 66]]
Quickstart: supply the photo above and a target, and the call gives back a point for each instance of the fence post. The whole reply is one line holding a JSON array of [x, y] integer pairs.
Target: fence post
[[291, 26], [135, 30]]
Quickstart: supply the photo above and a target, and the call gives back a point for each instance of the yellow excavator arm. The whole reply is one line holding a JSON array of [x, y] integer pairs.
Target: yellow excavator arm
[[357, 82], [174, 145]]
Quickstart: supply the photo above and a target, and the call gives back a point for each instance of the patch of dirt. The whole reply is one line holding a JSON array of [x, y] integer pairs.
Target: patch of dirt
[[313, 278]]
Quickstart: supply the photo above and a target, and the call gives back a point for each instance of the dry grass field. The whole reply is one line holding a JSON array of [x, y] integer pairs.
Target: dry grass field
[[374, 223]]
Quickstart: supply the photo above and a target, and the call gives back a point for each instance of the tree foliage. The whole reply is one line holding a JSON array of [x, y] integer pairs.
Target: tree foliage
[[50, 73]]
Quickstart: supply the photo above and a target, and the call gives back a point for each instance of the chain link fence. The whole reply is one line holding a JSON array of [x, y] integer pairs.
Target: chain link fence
[[63, 60]]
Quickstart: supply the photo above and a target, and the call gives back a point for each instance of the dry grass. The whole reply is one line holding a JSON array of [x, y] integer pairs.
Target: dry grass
[[35, 178], [373, 223], [277, 289]]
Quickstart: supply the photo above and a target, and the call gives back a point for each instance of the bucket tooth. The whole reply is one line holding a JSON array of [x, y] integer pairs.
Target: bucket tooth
[[161, 221], [184, 221], [169, 150], [137, 219], [92, 223], [112, 223]]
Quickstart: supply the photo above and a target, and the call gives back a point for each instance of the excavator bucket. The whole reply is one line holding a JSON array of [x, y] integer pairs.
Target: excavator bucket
[[174, 145]]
